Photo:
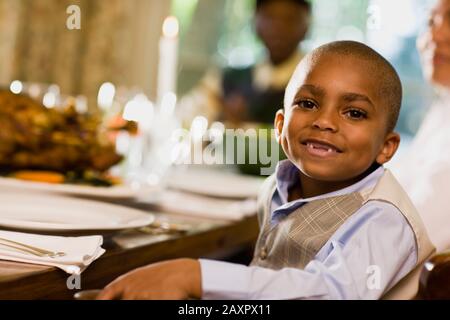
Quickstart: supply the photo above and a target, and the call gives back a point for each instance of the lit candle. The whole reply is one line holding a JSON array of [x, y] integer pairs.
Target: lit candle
[[168, 58]]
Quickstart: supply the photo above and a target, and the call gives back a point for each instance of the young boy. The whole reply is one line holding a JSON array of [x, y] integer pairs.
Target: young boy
[[334, 223]]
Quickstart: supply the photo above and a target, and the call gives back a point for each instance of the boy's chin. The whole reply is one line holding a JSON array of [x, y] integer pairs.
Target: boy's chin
[[327, 174]]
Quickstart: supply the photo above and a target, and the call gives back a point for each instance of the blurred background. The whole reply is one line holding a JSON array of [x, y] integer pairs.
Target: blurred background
[[221, 32], [118, 42]]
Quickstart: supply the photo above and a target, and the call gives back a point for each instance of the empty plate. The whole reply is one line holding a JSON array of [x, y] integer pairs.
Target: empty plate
[[48, 213]]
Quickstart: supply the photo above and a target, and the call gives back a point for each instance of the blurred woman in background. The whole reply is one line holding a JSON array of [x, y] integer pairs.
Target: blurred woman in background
[[425, 170]]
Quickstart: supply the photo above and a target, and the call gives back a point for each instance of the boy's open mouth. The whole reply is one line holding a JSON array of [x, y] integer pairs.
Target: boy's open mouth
[[320, 148]]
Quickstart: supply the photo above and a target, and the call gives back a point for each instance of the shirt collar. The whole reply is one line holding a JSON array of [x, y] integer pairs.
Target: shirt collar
[[287, 176]]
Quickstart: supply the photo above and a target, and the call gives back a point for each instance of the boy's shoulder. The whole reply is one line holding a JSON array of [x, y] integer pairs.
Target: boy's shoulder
[[389, 190]]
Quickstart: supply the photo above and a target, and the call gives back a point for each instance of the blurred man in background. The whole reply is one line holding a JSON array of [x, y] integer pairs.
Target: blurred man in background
[[254, 94]]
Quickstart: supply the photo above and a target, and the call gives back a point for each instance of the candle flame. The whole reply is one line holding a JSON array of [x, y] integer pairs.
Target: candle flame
[[171, 27]]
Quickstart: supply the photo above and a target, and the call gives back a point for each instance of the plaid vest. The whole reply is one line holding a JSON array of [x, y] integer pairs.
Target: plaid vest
[[296, 240]]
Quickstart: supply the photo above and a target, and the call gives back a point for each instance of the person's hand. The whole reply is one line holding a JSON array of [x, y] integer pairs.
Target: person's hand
[[171, 280]]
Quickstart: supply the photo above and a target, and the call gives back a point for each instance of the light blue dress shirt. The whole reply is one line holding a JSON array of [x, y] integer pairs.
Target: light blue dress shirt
[[363, 259]]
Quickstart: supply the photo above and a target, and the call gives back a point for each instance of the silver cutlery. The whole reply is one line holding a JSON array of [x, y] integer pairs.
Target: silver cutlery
[[162, 227], [40, 252]]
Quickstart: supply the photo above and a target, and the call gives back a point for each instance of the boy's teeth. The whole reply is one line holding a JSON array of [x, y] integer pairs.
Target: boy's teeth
[[319, 147]]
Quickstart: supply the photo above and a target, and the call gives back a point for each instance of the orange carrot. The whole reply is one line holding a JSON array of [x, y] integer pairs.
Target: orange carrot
[[39, 176]]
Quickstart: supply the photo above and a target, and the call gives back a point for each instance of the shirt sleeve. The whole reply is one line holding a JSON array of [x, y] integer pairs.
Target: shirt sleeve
[[365, 257]]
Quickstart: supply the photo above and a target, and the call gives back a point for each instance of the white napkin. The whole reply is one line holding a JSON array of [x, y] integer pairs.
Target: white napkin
[[207, 207], [80, 251]]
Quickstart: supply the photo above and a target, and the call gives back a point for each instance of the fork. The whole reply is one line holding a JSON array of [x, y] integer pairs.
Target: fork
[[30, 249], [162, 227]]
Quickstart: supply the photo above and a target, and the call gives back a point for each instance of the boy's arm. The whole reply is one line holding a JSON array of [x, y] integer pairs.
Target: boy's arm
[[169, 280]]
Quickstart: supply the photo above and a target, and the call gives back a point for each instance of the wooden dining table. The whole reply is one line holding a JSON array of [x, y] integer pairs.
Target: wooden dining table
[[130, 249]]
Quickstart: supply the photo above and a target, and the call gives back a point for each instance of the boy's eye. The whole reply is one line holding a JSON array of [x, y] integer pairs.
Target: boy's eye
[[356, 114], [306, 104]]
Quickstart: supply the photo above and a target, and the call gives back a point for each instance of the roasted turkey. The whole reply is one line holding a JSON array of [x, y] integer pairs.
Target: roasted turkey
[[58, 139]]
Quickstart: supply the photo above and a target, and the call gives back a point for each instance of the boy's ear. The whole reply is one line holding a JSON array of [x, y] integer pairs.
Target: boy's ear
[[390, 146], [279, 123]]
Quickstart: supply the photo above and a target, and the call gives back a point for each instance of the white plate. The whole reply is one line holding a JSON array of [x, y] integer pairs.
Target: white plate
[[216, 183], [40, 212], [113, 192]]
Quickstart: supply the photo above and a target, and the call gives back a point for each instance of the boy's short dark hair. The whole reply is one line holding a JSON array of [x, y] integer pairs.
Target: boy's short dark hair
[[377, 66], [303, 3]]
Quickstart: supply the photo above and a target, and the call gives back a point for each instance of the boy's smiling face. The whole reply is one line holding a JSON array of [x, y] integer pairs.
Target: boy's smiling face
[[334, 126]]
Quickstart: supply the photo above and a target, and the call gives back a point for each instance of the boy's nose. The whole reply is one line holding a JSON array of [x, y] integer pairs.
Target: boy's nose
[[325, 121]]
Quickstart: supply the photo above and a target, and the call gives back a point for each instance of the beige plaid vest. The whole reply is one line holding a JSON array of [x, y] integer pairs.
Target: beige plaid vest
[[296, 240]]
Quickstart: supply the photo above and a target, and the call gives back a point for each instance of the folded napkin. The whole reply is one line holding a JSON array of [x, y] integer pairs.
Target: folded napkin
[[80, 252], [207, 207]]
